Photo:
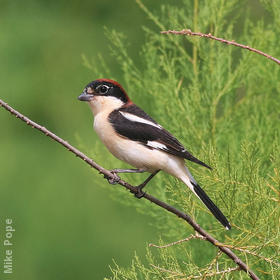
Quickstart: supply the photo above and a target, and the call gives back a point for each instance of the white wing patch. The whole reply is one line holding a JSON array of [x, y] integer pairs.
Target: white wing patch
[[156, 145], [134, 118]]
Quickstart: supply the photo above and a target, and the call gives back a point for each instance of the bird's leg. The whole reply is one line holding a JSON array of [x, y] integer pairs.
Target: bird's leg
[[128, 170], [140, 187], [116, 178]]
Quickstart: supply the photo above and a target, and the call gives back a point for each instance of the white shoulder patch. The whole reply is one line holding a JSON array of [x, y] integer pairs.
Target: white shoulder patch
[[134, 118], [156, 145]]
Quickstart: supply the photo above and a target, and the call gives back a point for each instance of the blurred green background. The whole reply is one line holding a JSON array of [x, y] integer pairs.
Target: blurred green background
[[67, 224]]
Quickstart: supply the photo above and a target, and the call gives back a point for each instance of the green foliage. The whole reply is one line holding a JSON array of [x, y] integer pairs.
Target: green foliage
[[41, 75], [223, 103]]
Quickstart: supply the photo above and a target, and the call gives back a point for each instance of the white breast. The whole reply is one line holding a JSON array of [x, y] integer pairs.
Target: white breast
[[134, 153]]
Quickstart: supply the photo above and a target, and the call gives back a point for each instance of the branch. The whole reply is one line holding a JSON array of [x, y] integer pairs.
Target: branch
[[133, 189], [198, 236], [174, 273], [192, 236], [246, 251], [188, 32]]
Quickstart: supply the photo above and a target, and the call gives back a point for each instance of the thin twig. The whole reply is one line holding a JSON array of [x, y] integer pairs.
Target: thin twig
[[192, 236], [213, 262], [231, 269], [198, 236], [133, 189], [246, 251], [188, 32], [174, 273]]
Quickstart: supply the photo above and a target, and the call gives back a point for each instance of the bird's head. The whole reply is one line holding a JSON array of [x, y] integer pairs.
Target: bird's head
[[104, 94]]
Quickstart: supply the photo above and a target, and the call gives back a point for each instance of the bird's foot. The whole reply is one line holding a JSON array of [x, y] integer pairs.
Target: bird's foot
[[139, 194], [113, 181]]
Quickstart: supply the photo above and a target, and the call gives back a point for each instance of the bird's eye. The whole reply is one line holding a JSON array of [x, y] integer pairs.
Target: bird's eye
[[103, 89]]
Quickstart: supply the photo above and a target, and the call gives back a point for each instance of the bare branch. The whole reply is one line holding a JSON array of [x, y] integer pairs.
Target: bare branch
[[188, 32], [134, 190]]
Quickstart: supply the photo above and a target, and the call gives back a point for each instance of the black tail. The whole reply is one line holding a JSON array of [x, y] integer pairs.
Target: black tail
[[211, 206]]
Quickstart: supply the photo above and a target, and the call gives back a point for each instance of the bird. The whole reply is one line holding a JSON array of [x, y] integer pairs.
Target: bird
[[134, 137]]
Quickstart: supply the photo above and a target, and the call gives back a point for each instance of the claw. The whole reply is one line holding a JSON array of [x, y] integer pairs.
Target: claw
[[113, 181], [139, 194]]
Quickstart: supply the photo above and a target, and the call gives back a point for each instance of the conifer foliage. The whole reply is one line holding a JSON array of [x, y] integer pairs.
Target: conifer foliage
[[222, 102]]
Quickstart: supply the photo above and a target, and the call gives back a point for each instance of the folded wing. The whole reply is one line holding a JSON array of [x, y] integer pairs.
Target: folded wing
[[133, 123]]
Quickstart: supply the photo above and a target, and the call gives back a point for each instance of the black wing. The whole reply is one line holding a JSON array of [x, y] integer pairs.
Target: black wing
[[146, 133]]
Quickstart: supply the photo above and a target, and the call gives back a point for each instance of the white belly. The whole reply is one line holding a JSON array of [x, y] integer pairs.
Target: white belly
[[136, 154]]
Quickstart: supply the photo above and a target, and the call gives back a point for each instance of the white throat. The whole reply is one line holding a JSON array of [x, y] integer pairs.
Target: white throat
[[104, 104]]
